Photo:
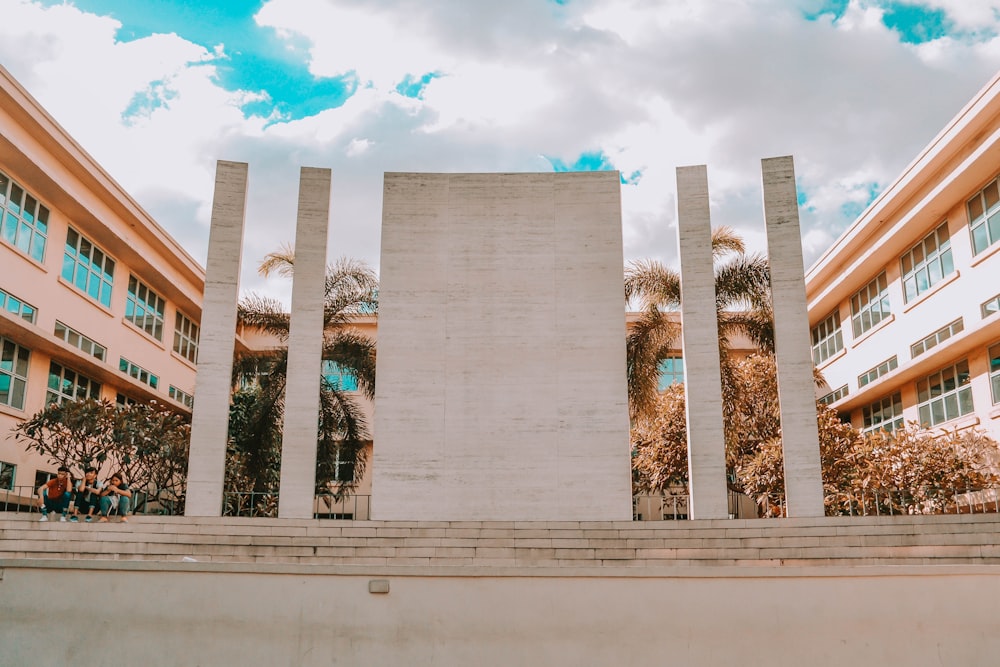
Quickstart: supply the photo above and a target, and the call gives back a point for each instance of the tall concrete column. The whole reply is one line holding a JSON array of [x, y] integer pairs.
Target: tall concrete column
[[700, 344], [796, 390], [210, 417], [305, 347]]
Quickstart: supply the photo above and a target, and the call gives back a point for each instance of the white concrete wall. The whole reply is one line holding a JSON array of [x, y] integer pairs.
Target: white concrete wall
[[700, 341], [305, 347], [501, 363], [195, 614], [793, 355], [210, 418]]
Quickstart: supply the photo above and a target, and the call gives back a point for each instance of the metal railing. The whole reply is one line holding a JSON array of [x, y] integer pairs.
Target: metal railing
[[645, 507]]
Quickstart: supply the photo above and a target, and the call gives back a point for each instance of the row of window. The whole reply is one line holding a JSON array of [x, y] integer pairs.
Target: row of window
[[85, 266], [941, 397], [64, 383], [921, 267]]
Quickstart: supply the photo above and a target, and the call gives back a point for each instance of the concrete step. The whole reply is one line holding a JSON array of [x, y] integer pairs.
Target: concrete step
[[841, 540]]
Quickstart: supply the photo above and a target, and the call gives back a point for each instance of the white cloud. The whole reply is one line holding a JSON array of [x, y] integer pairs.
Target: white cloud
[[651, 85]]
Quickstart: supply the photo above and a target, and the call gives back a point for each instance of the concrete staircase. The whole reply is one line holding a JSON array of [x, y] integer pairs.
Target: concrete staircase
[[841, 541]]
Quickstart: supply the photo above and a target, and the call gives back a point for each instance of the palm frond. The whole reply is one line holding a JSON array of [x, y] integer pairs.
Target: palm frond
[[725, 240], [651, 339], [280, 262], [652, 284], [265, 313], [354, 352]]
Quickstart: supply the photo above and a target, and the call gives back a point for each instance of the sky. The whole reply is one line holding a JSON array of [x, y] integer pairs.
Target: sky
[[158, 90]]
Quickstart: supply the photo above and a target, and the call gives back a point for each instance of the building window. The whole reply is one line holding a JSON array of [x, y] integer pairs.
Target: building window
[[144, 308], [984, 217], [13, 373], [138, 372], [343, 468], [884, 415], [186, 335], [339, 378], [939, 336], [927, 263], [181, 396], [873, 374], [77, 339], [834, 396], [17, 307], [827, 338], [870, 305], [25, 221], [88, 267], [42, 476], [945, 395], [124, 401], [7, 473], [995, 372], [671, 372], [68, 385], [991, 307]]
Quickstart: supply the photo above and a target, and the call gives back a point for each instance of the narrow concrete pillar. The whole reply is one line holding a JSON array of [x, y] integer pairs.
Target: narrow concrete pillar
[[305, 347], [700, 344], [210, 417], [796, 391]]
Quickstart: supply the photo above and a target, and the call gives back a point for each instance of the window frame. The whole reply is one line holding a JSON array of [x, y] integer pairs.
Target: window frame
[[676, 376], [993, 358], [24, 310], [82, 341], [928, 401], [864, 302], [98, 277], [33, 223], [889, 411], [4, 467], [91, 389], [984, 225], [337, 377], [877, 371], [921, 260], [181, 396], [832, 342], [936, 338], [16, 370], [145, 314], [186, 342], [141, 374]]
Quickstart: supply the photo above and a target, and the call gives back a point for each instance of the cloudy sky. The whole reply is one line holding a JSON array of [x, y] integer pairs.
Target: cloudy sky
[[158, 90]]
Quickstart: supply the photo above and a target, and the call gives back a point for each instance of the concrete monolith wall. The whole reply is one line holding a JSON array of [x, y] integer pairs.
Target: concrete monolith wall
[[501, 361]]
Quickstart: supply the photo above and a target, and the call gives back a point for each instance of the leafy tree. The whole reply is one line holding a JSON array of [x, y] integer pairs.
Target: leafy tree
[[256, 417], [145, 442], [743, 306], [908, 470]]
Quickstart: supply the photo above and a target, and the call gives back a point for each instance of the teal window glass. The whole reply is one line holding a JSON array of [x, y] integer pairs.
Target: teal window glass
[[88, 268], [927, 263], [144, 308], [13, 373], [338, 377], [671, 371], [25, 222]]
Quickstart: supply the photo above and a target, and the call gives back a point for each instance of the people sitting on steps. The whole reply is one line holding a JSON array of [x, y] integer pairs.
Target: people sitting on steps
[[55, 494], [88, 496], [116, 494]]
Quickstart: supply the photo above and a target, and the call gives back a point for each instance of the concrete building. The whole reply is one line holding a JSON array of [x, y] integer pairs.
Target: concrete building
[[96, 299], [903, 308]]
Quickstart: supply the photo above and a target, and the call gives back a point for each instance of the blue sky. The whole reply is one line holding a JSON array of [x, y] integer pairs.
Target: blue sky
[[158, 90]]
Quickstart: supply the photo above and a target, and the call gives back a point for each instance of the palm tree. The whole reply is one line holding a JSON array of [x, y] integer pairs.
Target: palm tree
[[351, 290], [742, 301]]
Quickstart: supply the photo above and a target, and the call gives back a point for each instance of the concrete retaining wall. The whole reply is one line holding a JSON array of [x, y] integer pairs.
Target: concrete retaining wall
[[57, 612]]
